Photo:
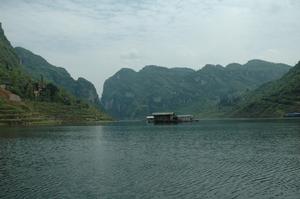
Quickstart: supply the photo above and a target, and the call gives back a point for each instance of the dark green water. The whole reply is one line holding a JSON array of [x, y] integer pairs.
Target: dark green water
[[210, 159]]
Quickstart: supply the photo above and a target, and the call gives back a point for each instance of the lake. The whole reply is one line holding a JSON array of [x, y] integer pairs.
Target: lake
[[126, 160]]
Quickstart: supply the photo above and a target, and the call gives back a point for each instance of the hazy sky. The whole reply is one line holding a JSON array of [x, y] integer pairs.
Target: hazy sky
[[95, 38]]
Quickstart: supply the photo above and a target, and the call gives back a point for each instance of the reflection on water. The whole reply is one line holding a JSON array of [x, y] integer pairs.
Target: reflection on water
[[209, 159]]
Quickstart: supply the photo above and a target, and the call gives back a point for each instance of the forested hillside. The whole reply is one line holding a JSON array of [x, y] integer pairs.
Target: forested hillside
[[273, 99], [38, 67], [26, 99], [206, 92]]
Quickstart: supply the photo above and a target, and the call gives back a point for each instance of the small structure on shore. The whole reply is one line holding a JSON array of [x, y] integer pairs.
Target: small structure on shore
[[168, 117]]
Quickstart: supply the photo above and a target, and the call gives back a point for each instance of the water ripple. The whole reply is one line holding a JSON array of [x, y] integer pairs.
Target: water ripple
[[214, 159]]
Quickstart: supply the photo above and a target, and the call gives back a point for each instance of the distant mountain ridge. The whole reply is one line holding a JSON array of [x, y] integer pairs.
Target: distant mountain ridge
[[36, 66], [129, 94]]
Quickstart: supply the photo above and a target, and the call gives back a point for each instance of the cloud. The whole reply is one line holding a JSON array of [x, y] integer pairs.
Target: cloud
[[131, 54], [94, 38]]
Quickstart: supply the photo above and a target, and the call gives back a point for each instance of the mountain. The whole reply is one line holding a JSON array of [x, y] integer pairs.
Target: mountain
[[129, 94], [37, 66], [10, 68], [28, 100], [9, 64], [273, 99], [8, 57]]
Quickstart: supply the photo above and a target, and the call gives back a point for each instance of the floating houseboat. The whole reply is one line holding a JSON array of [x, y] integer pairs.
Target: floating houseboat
[[165, 117], [169, 117]]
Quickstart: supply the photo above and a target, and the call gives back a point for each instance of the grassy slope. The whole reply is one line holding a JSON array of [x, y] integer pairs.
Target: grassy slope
[[30, 112], [273, 99]]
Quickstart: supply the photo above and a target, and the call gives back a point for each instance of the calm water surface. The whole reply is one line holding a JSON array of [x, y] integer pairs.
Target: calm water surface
[[210, 159]]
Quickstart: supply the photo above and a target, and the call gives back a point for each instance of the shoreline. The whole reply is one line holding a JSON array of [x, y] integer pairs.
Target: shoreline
[[99, 122], [53, 123]]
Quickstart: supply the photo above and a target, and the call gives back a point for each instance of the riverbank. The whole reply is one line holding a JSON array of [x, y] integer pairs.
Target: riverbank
[[30, 113]]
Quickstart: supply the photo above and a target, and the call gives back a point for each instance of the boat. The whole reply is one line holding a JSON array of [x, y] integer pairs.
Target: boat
[[169, 118]]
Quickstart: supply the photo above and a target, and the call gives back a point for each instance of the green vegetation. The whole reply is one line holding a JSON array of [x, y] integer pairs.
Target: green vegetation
[[50, 95], [209, 92], [273, 99], [77, 112], [30, 100], [8, 57], [37, 66], [36, 112]]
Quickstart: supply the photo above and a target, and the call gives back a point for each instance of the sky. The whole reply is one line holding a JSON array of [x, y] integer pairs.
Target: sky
[[96, 38]]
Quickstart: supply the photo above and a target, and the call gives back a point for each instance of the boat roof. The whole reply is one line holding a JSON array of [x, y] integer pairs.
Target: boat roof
[[184, 115], [163, 113]]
